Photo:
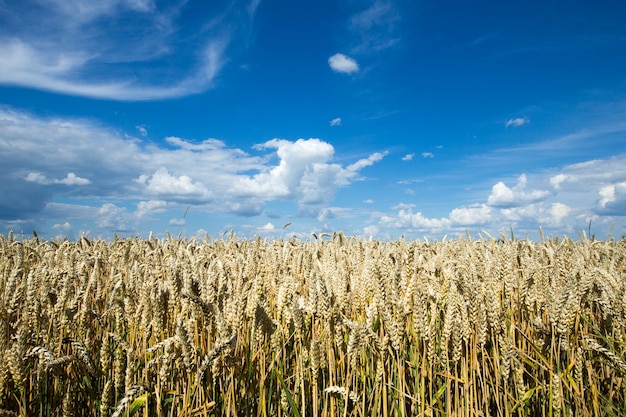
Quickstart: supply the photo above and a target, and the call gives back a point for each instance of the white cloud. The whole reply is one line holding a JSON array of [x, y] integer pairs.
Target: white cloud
[[37, 177], [162, 183], [557, 180], [304, 173], [112, 217], [176, 222], [591, 190], [559, 212], [517, 122], [403, 206], [408, 157], [411, 181], [268, 227], [62, 227], [371, 231], [155, 179], [145, 208], [27, 69], [301, 165], [427, 155], [405, 218], [343, 64], [142, 130], [336, 121], [613, 198], [539, 214], [370, 160], [375, 28], [327, 214], [503, 196], [471, 216], [88, 49], [70, 179]]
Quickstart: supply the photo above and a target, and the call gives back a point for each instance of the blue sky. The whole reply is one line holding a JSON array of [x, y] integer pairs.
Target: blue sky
[[381, 118]]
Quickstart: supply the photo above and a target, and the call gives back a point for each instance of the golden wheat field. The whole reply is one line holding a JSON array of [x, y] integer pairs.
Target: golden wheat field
[[336, 326]]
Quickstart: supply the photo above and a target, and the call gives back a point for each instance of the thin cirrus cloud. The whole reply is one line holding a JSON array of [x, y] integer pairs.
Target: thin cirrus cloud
[[375, 28], [150, 179], [517, 122], [87, 49], [343, 64], [336, 121]]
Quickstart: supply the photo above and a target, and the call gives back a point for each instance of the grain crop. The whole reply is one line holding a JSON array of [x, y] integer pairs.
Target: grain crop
[[331, 326]]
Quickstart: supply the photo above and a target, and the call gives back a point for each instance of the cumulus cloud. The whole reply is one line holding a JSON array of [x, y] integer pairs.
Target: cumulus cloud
[[153, 178], [503, 196], [267, 228], [112, 217], [62, 227], [70, 179], [343, 64], [559, 211], [517, 122], [406, 219], [427, 155], [371, 231], [145, 208], [537, 214], [471, 216], [408, 157], [557, 180], [575, 193], [176, 222], [336, 121], [613, 198], [298, 160], [164, 184], [304, 173]]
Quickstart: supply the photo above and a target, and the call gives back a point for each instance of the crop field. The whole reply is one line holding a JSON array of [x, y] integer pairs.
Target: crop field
[[334, 326]]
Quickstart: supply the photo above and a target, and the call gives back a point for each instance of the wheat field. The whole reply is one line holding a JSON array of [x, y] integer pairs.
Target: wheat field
[[335, 326]]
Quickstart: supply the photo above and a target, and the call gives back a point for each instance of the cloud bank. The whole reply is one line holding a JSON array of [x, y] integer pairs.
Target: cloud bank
[[564, 201], [49, 160]]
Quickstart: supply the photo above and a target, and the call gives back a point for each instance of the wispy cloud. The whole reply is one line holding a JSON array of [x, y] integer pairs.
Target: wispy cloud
[[336, 121], [343, 64], [375, 28], [428, 155], [517, 122], [142, 130], [408, 157], [89, 49]]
